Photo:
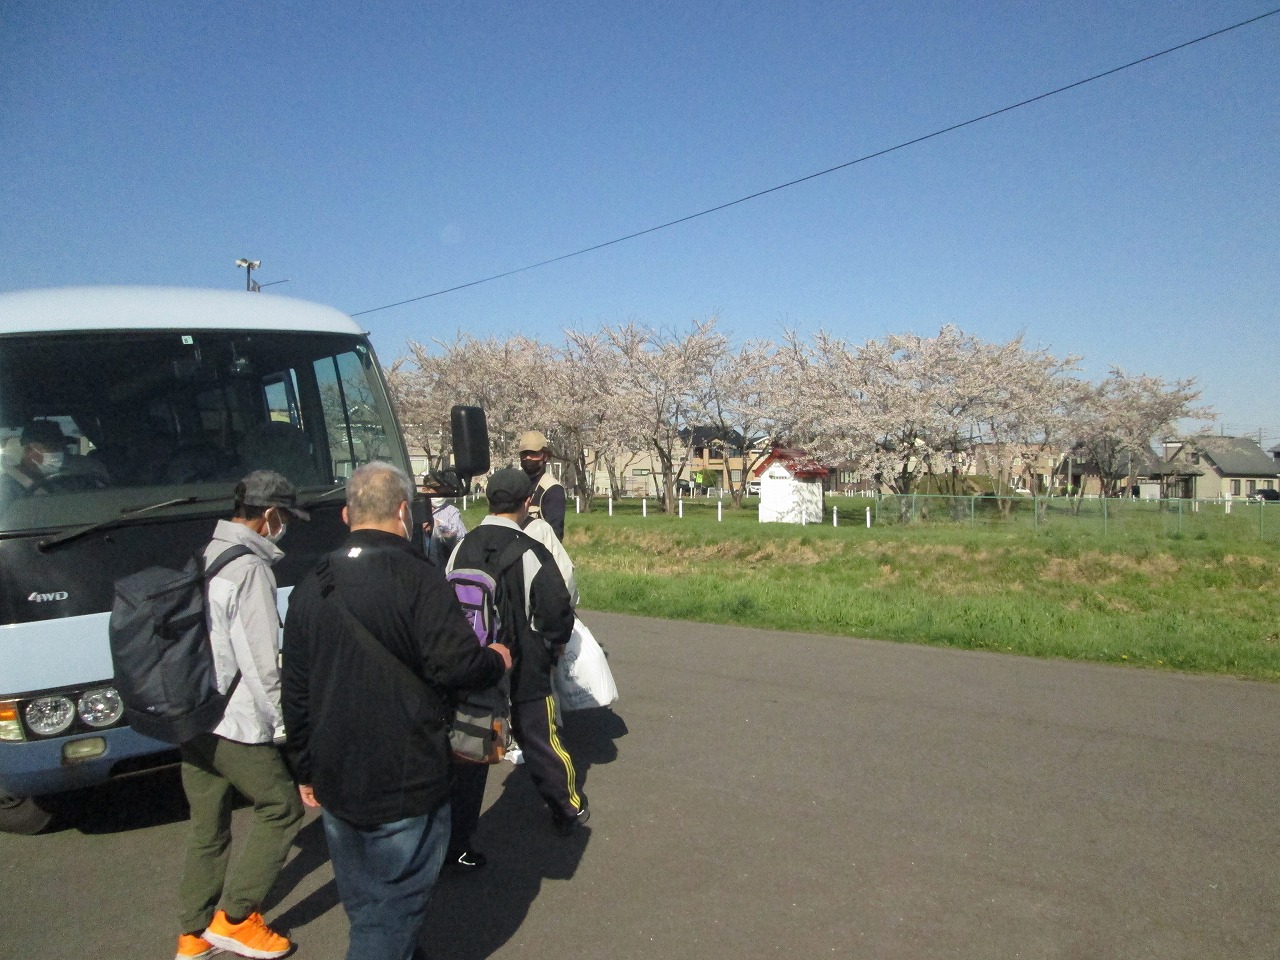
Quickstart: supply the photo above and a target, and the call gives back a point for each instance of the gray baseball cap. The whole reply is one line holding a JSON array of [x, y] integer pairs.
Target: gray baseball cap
[[266, 488]]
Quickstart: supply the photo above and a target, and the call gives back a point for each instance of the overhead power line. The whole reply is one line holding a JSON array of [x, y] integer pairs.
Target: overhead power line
[[829, 170]]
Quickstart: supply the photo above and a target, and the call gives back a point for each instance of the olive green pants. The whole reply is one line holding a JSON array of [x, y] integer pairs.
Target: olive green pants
[[212, 770]]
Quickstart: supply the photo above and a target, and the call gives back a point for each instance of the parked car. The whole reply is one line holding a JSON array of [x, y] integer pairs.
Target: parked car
[[1265, 494], [753, 488]]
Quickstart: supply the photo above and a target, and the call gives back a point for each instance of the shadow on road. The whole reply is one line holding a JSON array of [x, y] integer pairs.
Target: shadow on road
[[313, 853], [134, 803], [472, 916]]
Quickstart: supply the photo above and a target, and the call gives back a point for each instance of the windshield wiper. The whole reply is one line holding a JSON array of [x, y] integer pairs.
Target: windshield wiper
[[126, 515], [316, 500]]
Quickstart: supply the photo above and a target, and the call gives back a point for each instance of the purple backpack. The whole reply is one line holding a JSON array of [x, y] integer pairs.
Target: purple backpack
[[481, 727], [477, 595]]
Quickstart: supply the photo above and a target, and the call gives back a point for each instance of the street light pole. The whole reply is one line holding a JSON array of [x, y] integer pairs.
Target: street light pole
[[249, 267]]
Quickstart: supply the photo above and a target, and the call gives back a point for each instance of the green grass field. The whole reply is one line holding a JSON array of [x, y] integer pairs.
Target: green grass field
[[1189, 593]]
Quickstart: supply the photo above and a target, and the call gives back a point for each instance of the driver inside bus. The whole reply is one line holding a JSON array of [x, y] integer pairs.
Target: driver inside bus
[[46, 464]]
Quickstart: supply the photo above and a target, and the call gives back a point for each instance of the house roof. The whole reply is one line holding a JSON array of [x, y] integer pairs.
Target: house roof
[[1233, 456], [800, 464], [709, 435], [1145, 462]]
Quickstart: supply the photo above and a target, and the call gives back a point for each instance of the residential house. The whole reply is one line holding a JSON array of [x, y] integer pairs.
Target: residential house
[[1206, 467], [1142, 473], [639, 473], [727, 457]]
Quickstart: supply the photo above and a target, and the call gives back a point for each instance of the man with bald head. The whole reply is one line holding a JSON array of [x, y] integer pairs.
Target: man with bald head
[[375, 648]]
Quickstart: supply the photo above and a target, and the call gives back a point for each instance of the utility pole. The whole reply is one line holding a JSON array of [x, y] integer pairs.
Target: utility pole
[[249, 267]]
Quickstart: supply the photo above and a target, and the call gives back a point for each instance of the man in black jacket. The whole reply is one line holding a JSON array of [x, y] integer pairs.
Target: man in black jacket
[[548, 498], [537, 620], [374, 646]]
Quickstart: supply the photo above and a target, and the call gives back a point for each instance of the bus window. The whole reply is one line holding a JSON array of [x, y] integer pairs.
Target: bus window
[[281, 394], [357, 419], [147, 416]]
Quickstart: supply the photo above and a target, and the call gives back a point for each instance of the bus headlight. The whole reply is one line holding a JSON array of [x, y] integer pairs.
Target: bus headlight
[[10, 725], [100, 708], [50, 716]]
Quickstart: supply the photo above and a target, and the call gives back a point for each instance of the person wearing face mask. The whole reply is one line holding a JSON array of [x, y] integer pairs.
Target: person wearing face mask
[[46, 467], [239, 755], [549, 497]]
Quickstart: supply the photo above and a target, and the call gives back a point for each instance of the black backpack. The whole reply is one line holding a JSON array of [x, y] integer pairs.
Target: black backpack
[[161, 653]]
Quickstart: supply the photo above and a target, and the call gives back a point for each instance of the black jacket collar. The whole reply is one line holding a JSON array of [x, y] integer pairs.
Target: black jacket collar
[[379, 539]]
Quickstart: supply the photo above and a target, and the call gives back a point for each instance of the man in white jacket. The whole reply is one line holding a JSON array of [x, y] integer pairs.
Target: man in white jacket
[[239, 754]]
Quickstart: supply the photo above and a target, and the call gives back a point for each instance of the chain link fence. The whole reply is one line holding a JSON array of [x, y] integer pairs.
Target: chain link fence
[[1202, 519]]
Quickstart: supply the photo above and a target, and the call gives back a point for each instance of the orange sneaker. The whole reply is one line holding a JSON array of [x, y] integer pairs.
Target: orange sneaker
[[192, 947], [251, 938]]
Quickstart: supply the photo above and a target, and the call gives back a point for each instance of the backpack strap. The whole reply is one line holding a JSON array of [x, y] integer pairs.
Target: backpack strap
[[510, 555], [363, 635], [222, 559], [505, 559], [208, 573]]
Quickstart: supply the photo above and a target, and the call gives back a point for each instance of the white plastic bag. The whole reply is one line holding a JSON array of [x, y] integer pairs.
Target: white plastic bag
[[582, 677]]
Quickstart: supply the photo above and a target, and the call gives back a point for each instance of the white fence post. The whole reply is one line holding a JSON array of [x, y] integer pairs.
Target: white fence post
[[834, 511], [680, 508], [577, 506], [719, 511], [868, 518], [644, 506], [611, 505]]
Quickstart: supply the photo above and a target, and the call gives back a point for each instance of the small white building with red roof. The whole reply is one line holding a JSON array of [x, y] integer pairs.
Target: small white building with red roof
[[790, 487]]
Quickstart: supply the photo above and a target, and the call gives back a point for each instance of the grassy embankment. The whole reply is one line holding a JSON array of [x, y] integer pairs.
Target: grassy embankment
[[1206, 601]]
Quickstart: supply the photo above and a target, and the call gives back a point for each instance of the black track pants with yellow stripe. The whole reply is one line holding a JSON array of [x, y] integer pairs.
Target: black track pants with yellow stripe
[[548, 762]]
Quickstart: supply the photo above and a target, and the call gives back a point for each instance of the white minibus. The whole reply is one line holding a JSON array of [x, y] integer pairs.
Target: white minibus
[[127, 415]]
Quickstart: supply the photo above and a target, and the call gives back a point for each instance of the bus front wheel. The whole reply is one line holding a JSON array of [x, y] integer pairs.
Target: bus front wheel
[[25, 815]]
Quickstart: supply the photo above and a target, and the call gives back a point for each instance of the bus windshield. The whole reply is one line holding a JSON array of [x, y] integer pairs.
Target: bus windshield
[[97, 425]]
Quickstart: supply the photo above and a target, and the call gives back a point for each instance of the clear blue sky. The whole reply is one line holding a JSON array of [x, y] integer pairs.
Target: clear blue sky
[[373, 152]]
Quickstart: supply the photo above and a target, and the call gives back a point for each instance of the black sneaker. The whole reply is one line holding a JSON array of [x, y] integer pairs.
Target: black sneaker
[[564, 825], [465, 861]]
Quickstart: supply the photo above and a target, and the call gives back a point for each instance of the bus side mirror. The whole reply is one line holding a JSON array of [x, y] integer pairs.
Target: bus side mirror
[[470, 432]]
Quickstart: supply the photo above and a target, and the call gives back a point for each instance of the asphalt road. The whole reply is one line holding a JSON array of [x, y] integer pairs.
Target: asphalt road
[[760, 794]]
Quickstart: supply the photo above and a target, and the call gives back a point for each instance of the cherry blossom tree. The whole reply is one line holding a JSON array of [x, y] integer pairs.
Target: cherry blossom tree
[[665, 376], [749, 402], [504, 377], [600, 416], [1116, 420], [899, 411], [1017, 401]]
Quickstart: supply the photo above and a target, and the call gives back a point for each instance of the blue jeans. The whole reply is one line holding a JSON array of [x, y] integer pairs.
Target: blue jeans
[[384, 876]]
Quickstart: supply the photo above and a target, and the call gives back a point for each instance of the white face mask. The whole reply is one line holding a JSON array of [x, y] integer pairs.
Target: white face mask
[[279, 534], [51, 463]]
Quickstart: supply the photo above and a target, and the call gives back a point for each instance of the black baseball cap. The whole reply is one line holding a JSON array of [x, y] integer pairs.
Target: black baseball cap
[[46, 432], [507, 489]]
